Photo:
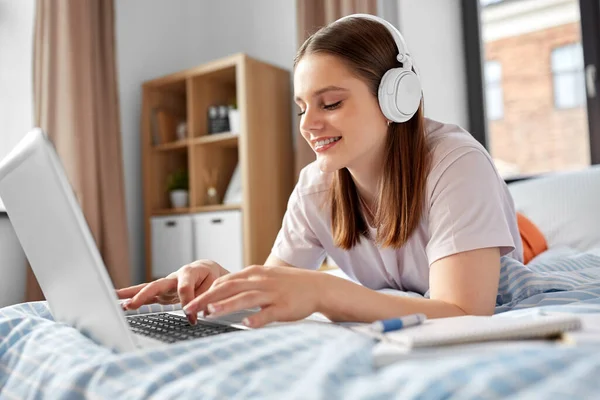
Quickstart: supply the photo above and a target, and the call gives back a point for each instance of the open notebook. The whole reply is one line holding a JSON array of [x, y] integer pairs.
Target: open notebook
[[473, 329]]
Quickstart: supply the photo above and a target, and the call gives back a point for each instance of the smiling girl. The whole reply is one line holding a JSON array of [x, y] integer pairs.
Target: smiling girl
[[395, 199]]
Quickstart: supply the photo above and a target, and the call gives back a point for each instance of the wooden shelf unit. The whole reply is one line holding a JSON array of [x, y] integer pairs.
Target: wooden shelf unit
[[263, 147]]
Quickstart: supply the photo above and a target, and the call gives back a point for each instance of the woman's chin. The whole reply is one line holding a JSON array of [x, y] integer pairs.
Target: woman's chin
[[327, 165]]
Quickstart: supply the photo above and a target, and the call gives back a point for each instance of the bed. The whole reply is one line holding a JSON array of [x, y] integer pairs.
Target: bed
[[40, 358]]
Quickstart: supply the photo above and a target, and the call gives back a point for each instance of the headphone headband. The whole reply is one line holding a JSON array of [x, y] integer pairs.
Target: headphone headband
[[403, 54]]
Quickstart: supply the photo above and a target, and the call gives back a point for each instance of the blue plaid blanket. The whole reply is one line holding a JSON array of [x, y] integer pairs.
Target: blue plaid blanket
[[40, 358]]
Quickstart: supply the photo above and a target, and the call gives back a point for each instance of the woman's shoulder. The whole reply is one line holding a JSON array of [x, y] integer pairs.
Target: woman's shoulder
[[449, 142], [313, 181]]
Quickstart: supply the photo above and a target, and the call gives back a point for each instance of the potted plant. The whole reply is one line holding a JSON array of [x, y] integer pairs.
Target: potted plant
[[177, 186]]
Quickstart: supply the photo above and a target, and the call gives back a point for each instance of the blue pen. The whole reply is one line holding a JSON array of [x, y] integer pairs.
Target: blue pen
[[394, 324]]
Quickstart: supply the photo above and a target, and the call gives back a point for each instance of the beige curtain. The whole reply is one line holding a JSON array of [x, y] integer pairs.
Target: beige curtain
[[312, 15], [76, 103]]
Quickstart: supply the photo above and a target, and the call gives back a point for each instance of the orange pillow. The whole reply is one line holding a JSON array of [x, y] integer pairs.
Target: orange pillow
[[533, 240]]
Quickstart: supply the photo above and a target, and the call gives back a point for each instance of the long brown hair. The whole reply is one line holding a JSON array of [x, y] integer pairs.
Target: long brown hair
[[369, 50]]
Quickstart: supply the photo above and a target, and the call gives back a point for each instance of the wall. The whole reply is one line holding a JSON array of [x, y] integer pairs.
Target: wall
[[16, 86], [16, 35], [158, 37], [433, 33]]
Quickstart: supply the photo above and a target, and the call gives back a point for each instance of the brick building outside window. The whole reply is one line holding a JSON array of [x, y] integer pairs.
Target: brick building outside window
[[533, 65]]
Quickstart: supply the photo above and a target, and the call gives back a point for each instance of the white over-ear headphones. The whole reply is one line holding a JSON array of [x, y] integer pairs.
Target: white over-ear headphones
[[400, 88]]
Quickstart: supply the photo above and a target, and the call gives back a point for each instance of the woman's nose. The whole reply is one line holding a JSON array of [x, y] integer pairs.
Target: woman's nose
[[311, 120]]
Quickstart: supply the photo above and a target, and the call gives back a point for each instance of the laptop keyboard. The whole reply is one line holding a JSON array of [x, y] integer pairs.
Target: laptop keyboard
[[172, 328]]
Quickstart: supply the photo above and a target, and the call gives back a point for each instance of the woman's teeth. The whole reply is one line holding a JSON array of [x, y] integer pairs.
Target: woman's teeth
[[324, 142]]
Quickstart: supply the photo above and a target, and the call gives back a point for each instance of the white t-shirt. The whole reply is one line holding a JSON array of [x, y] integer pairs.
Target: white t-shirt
[[468, 207]]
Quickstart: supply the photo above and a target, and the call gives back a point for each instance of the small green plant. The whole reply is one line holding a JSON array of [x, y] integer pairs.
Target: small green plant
[[178, 180]]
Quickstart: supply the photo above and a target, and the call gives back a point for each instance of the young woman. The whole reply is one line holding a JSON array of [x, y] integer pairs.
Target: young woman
[[395, 199]]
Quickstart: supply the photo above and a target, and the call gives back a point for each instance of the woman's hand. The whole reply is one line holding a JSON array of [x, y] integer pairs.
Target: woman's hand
[[181, 286], [282, 293]]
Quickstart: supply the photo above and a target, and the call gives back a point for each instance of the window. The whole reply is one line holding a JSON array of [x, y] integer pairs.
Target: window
[[567, 74], [493, 90], [531, 111]]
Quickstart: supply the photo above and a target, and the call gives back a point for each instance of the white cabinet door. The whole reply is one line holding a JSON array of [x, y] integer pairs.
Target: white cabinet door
[[172, 243], [218, 237], [12, 265]]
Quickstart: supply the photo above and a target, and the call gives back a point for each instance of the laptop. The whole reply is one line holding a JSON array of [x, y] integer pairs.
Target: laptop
[[58, 243]]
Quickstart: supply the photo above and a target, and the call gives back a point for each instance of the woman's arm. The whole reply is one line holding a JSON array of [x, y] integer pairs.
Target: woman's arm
[[460, 284], [273, 261], [464, 283]]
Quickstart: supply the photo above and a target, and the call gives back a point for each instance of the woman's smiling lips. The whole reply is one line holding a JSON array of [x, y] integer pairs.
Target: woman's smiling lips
[[325, 143]]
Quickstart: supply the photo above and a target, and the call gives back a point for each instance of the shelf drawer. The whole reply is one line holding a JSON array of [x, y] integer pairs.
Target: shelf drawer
[[172, 243], [218, 237]]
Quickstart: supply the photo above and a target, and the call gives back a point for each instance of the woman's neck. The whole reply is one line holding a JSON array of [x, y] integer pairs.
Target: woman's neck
[[366, 178]]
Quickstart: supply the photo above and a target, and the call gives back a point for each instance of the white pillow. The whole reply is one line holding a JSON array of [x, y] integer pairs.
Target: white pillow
[[565, 207]]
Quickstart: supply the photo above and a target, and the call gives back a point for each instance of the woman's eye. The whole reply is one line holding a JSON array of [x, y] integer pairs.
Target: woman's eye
[[332, 106]]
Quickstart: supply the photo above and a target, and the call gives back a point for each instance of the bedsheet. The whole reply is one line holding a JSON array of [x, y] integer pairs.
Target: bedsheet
[[40, 358]]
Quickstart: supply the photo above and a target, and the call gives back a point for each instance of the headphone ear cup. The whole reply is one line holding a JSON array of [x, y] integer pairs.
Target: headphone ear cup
[[399, 94]]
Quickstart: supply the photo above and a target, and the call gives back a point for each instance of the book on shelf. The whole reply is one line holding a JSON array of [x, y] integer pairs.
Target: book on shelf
[[164, 126]]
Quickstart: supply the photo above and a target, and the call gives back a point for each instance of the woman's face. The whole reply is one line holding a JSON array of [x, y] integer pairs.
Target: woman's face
[[340, 118]]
